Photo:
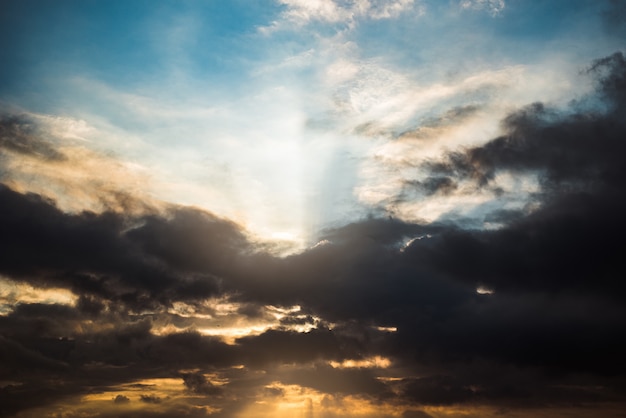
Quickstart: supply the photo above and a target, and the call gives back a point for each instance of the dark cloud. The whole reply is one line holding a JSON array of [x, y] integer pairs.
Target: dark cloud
[[570, 151], [415, 414], [164, 411], [291, 320], [580, 160], [191, 240], [90, 305], [121, 399], [197, 383], [150, 398], [136, 261], [474, 384], [16, 357], [433, 185], [438, 390], [276, 346], [23, 396], [19, 134], [273, 391], [329, 380], [556, 269]]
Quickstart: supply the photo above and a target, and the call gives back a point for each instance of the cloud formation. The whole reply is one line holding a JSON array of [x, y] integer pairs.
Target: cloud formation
[[455, 184], [380, 287]]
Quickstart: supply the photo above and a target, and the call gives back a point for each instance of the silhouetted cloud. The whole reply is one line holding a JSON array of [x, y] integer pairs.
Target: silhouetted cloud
[[121, 399], [108, 255], [197, 383], [150, 399]]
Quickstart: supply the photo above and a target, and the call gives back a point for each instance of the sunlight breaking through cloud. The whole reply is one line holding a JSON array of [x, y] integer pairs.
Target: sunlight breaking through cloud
[[314, 209]]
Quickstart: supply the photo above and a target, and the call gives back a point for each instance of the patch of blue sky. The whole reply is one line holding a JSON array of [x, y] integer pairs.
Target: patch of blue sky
[[451, 37], [129, 45], [544, 20], [65, 37]]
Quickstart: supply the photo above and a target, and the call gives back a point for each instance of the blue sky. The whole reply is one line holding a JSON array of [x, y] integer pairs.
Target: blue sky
[[273, 113]]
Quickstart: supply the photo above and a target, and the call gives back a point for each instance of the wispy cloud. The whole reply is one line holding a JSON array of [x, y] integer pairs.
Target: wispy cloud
[[302, 12], [493, 7]]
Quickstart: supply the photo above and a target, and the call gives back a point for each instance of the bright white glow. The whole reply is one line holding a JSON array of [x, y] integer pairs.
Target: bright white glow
[[283, 236], [412, 240], [482, 290]]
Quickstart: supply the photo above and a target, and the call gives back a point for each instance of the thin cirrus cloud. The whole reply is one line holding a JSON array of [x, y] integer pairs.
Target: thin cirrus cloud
[[319, 209], [302, 12]]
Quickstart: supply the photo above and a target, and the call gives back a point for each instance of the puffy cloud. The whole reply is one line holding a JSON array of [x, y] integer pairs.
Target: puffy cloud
[[126, 259], [149, 398], [121, 399]]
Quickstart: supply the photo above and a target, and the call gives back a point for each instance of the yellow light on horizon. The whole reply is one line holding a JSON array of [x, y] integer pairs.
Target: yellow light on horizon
[[376, 362], [12, 293]]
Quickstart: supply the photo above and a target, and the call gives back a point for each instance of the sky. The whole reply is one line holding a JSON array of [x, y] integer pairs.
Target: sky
[[312, 208]]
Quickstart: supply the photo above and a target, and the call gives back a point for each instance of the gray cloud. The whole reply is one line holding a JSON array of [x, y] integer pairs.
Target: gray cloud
[[121, 399], [197, 383], [111, 256], [19, 134], [150, 399]]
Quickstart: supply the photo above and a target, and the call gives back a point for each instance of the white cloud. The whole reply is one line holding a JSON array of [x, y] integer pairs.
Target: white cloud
[[306, 10], [371, 99], [393, 101], [388, 9], [332, 11], [493, 7]]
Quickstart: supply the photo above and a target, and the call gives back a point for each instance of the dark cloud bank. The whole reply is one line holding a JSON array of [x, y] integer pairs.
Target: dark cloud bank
[[549, 336]]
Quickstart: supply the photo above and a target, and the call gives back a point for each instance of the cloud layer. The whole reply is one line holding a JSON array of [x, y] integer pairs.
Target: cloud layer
[[382, 317]]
